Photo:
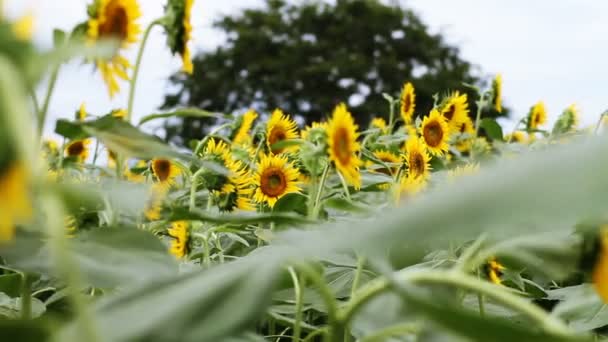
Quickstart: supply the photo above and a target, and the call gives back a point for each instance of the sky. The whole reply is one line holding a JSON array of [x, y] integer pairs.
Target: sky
[[554, 51]]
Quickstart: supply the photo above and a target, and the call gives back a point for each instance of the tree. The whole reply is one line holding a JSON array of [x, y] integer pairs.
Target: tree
[[307, 58]]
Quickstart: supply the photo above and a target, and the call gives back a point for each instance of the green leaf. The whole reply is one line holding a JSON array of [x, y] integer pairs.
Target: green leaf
[[293, 202], [243, 218], [10, 284], [580, 306], [184, 112], [340, 203], [10, 308], [492, 129], [59, 37]]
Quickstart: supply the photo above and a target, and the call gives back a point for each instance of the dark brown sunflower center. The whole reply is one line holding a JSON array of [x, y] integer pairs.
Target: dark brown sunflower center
[[273, 182], [463, 128], [387, 170], [75, 149], [342, 146], [407, 103], [433, 134], [162, 169], [276, 135], [537, 118], [449, 112], [416, 165], [116, 23]]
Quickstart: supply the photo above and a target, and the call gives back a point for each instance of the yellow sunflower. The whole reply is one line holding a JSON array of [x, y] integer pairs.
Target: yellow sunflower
[[435, 133], [343, 146], [417, 159], [497, 93], [388, 158], [154, 204], [236, 191], [82, 112], [114, 19], [165, 171], [78, 149], [242, 136], [600, 269], [179, 30], [461, 171], [217, 149], [280, 127], [23, 28], [455, 109], [516, 137], [181, 236], [537, 116], [494, 270], [408, 103], [15, 203], [380, 124], [275, 178], [307, 132], [409, 187]]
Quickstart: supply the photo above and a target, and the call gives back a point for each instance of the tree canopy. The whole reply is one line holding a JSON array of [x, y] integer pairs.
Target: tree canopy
[[306, 58]]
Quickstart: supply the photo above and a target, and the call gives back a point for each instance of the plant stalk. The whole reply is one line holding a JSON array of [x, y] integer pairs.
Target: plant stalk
[[47, 100], [299, 296], [26, 297]]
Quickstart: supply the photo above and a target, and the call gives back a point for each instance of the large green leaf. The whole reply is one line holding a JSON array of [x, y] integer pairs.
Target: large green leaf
[[183, 112]]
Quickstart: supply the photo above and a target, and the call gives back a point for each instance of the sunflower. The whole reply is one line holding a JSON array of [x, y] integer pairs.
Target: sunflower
[[417, 159], [82, 112], [494, 271], [114, 19], [154, 205], [314, 131], [78, 149], [275, 178], [23, 28], [455, 109], [236, 191], [380, 124], [280, 127], [409, 187], [516, 137], [242, 136], [218, 150], [497, 93], [343, 146], [179, 30], [181, 236], [388, 158], [135, 174], [537, 116], [600, 269], [119, 113], [15, 204], [164, 171], [408, 103], [461, 171], [567, 121], [435, 133]]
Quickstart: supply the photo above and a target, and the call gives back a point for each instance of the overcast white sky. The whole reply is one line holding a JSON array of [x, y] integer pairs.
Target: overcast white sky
[[553, 51]]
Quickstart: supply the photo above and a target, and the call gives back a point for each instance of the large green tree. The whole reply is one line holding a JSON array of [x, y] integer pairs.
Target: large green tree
[[306, 58]]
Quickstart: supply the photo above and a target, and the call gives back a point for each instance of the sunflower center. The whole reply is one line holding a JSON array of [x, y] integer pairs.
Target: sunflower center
[[463, 128], [449, 113], [116, 23], [537, 119], [342, 146], [162, 169], [433, 134], [275, 136], [408, 103], [416, 164], [273, 182], [75, 149]]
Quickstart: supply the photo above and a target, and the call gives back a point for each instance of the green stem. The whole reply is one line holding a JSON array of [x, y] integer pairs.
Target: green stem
[[47, 100], [345, 186], [466, 282], [312, 335], [353, 290], [136, 68], [391, 118], [26, 296], [327, 296], [317, 202], [599, 122], [480, 301], [35, 103], [193, 185], [299, 296], [96, 153], [206, 253], [480, 106], [203, 141], [515, 129], [468, 257]]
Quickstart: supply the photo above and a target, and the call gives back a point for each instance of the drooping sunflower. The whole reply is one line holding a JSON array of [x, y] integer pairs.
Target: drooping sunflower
[[154, 204], [387, 157], [164, 171], [314, 131], [537, 116], [78, 149], [567, 121], [417, 159], [280, 127], [408, 103], [242, 136], [435, 133], [114, 19], [181, 239], [466, 127], [343, 146], [494, 271], [455, 109], [379, 123], [275, 177], [236, 191], [179, 30], [15, 202], [497, 93]]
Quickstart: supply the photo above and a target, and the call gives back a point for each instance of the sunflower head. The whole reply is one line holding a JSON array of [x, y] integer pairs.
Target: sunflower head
[[164, 171], [408, 187], [567, 121], [537, 116], [154, 204], [379, 124], [516, 137], [15, 202], [82, 112], [408, 103], [275, 177], [179, 30], [279, 128], [216, 151], [179, 232], [417, 159], [435, 133], [236, 191], [241, 134], [78, 150], [455, 109], [343, 146], [497, 93], [389, 161], [114, 19], [494, 271], [315, 132]]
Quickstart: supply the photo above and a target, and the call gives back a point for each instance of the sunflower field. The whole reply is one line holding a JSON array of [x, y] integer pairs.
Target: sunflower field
[[424, 226]]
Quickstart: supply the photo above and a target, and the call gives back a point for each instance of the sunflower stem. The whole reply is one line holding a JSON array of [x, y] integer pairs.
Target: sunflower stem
[[140, 54], [353, 291], [193, 185], [203, 141], [599, 122], [47, 99], [26, 297], [317, 202], [299, 298], [480, 104], [391, 118], [345, 186]]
